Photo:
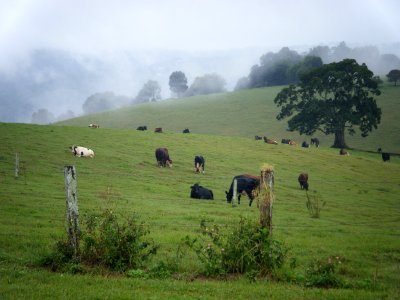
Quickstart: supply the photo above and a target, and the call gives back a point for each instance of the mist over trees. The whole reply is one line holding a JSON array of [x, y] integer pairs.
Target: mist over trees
[[150, 92], [104, 101], [207, 84], [42, 116], [178, 83], [287, 66]]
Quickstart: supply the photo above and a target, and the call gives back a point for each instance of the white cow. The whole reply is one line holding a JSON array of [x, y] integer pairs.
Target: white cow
[[82, 151]]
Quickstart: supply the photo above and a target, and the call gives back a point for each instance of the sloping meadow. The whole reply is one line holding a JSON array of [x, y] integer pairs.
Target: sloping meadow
[[358, 224]]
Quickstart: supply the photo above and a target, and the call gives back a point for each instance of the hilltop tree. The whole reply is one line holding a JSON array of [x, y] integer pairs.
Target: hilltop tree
[[332, 99], [150, 92], [207, 84], [394, 76], [178, 83], [42, 116]]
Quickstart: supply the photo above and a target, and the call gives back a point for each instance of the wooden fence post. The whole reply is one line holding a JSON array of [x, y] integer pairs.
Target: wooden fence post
[[72, 208], [266, 194], [16, 164], [234, 197]]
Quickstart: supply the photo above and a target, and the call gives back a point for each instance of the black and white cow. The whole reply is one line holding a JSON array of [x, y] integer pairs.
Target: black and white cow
[[315, 141], [245, 183], [82, 151], [199, 164], [162, 157], [199, 192]]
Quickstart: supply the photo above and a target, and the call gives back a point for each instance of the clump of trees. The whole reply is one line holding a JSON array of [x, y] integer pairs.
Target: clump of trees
[[150, 92], [103, 101], [178, 83], [333, 99], [207, 84]]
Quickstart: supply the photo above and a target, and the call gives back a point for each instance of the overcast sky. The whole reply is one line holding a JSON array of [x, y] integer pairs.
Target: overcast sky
[[104, 25]]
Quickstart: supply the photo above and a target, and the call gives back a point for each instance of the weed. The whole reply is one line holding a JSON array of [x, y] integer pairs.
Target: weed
[[324, 273], [314, 205]]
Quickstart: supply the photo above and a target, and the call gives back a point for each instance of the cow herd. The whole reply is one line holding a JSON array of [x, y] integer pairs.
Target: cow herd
[[245, 184]]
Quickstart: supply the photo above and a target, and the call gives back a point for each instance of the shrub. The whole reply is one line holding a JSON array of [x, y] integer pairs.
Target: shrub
[[324, 273], [105, 242], [247, 249], [314, 205]]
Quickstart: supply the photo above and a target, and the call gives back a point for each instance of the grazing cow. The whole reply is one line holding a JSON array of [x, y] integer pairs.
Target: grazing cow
[[82, 151], [186, 130], [305, 144], [385, 156], [142, 128], [92, 125], [343, 152], [245, 183], [292, 143], [158, 129], [285, 141], [199, 164], [315, 141], [199, 192], [269, 141], [303, 180], [162, 157], [257, 138]]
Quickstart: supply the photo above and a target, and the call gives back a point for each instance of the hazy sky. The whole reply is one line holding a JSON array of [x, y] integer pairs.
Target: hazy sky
[[100, 25]]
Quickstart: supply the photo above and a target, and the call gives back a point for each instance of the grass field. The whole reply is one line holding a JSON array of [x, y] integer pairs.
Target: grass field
[[245, 113], [360, 222]]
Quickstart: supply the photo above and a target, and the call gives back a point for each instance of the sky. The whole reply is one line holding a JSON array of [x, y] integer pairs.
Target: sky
[[195, 25], [196, 33]]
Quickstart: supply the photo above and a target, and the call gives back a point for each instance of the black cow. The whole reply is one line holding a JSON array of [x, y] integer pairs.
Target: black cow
[[245, 183], [315, 141], [385, 156], [303, 180], [199, 192], [305, 144], [285, 141], [257, 138], [199, 164], [186, 130], [162, 157], [142, 128]]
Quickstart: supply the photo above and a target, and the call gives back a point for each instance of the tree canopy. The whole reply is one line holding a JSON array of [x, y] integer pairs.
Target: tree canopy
[[332, 99], [207, 84], [394, 76], [151, 91], [178, 83]]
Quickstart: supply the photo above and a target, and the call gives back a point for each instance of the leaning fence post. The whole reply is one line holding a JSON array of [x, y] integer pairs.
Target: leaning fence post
[[266, 194], [234, 197], [16, 164], [72, 207]]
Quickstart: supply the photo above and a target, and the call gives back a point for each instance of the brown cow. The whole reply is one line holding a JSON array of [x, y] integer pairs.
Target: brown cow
[[158, 129], [303, 180], [93, 125], [269, 141], [343, 152], [162, 157]]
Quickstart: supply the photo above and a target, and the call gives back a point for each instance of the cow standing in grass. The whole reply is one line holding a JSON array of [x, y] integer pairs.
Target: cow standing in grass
[[245, 184], [199, 164], [303, 180], [162, 157]]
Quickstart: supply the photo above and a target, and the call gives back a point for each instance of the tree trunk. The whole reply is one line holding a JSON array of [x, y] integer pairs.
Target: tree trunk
[[339, 139]]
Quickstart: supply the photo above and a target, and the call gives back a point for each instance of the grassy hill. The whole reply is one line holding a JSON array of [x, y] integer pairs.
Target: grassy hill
[[360, 222], [245, 113]]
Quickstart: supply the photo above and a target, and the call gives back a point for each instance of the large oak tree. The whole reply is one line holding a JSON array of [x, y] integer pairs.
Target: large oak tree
[[332, 99]]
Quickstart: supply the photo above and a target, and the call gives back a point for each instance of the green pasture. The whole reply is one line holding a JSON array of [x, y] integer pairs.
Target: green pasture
[[245, 113], [360, 222]]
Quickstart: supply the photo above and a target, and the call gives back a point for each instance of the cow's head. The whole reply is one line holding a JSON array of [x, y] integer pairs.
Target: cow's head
[[229, 196], [169, 163]]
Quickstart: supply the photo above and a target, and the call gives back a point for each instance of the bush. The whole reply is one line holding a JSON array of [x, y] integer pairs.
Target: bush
[[105, 242], [248, 249], [324, 273], [314, 205]]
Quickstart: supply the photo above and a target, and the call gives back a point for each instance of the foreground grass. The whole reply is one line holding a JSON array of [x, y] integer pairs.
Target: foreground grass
[[359, 222]]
